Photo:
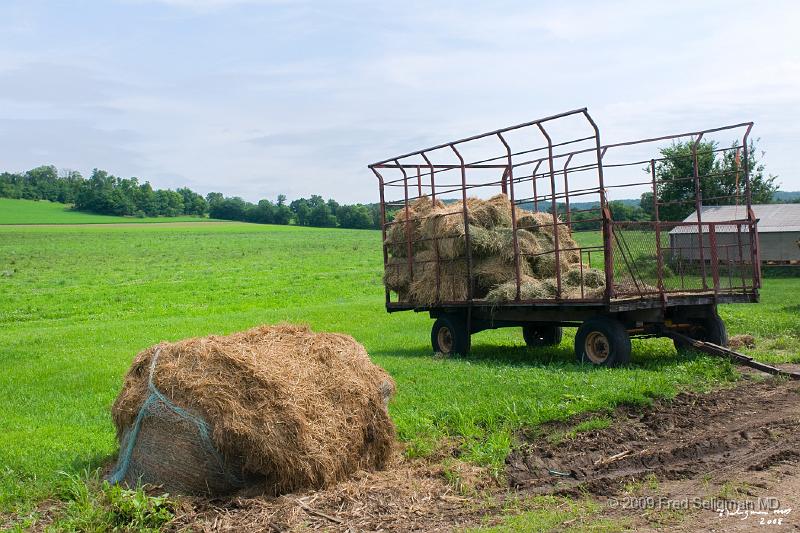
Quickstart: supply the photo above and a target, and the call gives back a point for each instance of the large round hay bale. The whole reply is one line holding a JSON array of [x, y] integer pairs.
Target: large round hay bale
[[279, 407]]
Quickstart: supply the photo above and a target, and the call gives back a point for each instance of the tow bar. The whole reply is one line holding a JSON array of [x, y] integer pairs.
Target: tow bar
[[736, 357]]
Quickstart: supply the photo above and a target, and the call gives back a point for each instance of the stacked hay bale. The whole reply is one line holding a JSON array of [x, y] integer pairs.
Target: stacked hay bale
[[274, 408], [438, 245]]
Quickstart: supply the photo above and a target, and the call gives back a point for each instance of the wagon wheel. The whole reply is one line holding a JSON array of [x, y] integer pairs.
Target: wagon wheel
[[603, 341], [708, 329], [537, 335], [449, 335]]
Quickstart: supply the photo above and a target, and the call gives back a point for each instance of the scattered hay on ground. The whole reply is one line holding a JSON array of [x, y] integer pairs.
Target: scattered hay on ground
[[284, 408], [741, 341]]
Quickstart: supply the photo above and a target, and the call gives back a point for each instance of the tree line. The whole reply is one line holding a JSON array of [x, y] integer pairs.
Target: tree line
[[103, 193], [106, 194]]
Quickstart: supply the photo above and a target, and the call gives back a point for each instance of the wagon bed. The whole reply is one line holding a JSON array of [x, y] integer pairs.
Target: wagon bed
[[558, 166]]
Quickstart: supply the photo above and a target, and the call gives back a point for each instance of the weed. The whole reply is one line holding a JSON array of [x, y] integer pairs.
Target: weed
[[91, 505]]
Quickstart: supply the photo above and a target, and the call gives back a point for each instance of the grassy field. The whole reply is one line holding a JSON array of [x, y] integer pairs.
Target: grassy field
[[78, 302], [44, 212]]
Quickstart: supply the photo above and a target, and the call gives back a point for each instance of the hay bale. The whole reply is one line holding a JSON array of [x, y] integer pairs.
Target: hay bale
[[418, 212], [535, 222], [495, 270], [277, 406], [492, 213], [528, 244], [396, 275], [530, 289], [453, 282], [589, 278]]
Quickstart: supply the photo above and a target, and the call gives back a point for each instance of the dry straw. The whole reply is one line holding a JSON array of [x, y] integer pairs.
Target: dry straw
[[293, 408], [438, 271]]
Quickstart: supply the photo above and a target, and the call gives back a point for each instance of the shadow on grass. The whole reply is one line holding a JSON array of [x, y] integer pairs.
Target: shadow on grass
[[562, 356], [96, 461]]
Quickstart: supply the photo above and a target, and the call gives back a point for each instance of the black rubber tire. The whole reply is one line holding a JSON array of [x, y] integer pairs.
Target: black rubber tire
[[709, 329], [542, 335], [608, 337], [457, 339]]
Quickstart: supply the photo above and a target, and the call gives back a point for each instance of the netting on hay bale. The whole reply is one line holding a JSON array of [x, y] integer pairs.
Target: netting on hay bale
[[279, 408], [439, 246]]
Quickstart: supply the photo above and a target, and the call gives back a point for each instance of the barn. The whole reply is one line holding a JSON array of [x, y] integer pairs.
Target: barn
[[778, 232]]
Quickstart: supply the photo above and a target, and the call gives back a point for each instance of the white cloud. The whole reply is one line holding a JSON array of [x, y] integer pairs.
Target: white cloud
[[276, 97]]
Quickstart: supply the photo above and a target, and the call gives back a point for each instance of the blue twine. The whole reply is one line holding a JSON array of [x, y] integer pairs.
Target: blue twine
[[123, 464]]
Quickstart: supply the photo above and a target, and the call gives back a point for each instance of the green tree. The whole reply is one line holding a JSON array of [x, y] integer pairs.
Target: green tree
[[721, 178], [321, 216], [354, 216]]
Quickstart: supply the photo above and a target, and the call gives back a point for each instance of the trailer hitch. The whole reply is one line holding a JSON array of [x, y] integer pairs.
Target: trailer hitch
[[736, 357]]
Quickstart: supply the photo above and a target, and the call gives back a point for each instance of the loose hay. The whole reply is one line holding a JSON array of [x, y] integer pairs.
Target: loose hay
[[740, 341], [418, 213], [530, 289], [285, 408], [439, 235], [591, 278], [453, 285], [495, 270]]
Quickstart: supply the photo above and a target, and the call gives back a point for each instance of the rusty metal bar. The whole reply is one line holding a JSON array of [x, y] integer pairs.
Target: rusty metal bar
[[657, 224], [755, 250], [698, 205], [566, 193], [513, 216], [555, 210], [409, 247], [608, 253], [741, 253], [470, 287], [433, 185], [383, 229], [533, 180], [712, 241]]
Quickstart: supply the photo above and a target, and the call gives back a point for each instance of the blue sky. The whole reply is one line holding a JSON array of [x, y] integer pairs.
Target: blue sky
[[257, 98]]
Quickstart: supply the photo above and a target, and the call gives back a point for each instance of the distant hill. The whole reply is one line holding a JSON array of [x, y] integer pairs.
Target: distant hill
[[44, 212], [786, 196]]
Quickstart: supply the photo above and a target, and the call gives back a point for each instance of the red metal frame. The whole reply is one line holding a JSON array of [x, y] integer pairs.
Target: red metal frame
[[517, 165]]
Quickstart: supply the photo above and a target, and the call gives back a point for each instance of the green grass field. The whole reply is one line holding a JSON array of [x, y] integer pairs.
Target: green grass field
[[44, 212], [78, 302]]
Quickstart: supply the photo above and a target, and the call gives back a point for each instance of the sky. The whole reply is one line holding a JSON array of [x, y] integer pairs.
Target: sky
[[260, 98]]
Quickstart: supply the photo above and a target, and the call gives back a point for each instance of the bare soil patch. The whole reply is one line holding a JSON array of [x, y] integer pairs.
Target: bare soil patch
[[722, 450]]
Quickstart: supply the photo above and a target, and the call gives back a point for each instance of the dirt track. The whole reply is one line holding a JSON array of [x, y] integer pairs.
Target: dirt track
[[715, 450]]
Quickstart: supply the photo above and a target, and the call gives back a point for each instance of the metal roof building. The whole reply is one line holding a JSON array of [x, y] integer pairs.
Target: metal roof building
[[778, 234]]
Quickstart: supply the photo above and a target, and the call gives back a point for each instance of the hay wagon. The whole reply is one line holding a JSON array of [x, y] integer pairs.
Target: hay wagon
[[555, 246]]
